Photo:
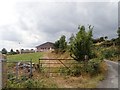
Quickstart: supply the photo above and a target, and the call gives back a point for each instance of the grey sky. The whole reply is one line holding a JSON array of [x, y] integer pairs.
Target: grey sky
[[33, 23]]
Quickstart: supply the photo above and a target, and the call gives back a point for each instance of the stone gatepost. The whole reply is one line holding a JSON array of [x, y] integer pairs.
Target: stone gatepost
[[3, 71]]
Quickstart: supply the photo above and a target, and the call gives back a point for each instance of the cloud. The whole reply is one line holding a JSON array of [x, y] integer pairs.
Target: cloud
[[39, 22]]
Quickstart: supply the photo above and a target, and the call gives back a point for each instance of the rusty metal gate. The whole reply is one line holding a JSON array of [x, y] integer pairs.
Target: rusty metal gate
[[55, 67]]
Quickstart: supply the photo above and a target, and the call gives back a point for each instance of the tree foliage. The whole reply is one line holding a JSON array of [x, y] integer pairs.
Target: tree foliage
[[81, 44], [101, 39], [118, 36], [12, 52], [106, 37], [71, 38], [61, 44], [4, 51], [118, 31]]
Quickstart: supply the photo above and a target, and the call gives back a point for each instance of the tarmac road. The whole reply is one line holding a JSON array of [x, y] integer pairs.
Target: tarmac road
[[111, 80]]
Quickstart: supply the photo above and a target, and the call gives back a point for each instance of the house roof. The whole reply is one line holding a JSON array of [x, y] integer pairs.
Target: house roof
[[47, 44]]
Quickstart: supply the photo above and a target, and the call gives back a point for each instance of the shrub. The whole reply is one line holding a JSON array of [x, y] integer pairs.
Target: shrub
[[93, 66], [12, 52], [76, 70], [24, 78], [30, 83], [110, 53], [64, 71], [93, 55], [10, 75]]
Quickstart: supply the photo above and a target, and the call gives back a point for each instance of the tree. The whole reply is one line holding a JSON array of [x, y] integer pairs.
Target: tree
[[71, 38], [117, 41], [106, 37], [12, 52], [17, 52], [102, 39], [4, 51], [61, 44], [118, 31], [81, 44], [56, 46]]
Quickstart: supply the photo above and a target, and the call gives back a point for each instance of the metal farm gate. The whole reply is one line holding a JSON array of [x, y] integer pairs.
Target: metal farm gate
[[55, 67]]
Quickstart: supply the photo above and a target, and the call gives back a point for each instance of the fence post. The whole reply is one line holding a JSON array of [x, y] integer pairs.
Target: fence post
[[39, 66], [17, 71], [3, 71], [31, 69]]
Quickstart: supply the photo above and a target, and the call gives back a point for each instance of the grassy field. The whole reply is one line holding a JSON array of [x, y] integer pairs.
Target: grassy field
[[25, 57]]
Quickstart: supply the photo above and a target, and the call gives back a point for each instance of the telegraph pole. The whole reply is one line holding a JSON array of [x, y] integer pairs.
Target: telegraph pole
[[20, 47]]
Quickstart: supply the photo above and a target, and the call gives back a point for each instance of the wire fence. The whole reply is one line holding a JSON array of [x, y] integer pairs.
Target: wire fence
[[18, 70], [22, 70]]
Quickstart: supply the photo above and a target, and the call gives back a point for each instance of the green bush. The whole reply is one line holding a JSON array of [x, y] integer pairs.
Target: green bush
[[64, 71], [24, 78], [10, 75], [11, 53], [30, 83], [76, 70], [110, 53], [93, 66], [93, 55]]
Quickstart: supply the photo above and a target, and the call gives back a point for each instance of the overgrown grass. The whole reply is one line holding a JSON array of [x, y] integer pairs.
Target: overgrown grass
[[32, 83], [92, 82], [95, 72], [25, 57]]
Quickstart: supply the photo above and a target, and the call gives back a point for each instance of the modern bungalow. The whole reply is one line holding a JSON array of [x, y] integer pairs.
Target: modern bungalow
[[48, 46]]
